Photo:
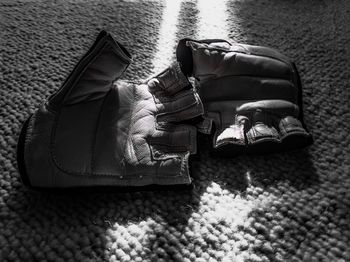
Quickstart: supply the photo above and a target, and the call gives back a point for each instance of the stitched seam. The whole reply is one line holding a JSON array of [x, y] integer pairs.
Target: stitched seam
[[131, 123], [161, 99], [192, 110]]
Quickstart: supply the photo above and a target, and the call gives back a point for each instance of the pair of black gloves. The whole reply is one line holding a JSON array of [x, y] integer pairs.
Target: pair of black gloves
[[96, 131]]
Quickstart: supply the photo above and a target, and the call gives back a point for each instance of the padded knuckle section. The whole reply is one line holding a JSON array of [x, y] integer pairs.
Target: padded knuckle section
[[261, 132], [262, 129], [255, 83], [233, 134], [289, 125], [266, 115], [266, 121], [272, 121]]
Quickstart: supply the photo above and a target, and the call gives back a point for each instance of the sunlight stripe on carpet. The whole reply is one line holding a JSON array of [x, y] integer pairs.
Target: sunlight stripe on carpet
[[167, 35], [213, 18]]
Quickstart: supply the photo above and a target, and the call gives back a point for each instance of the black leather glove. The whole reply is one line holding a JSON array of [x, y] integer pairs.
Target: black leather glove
[[252, 95], [94, 132]]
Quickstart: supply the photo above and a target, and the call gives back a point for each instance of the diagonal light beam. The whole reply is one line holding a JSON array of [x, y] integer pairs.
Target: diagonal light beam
[[213, 19], [167, 35]]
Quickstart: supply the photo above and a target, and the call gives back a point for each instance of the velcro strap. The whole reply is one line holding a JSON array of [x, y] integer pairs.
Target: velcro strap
[[169, 140], [182, 106], [170, 81]]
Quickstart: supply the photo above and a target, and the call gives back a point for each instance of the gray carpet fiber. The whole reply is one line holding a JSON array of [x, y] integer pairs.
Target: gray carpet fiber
[[291, 206]]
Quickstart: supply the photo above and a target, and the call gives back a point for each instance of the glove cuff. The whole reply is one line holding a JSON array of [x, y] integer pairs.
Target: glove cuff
[[94, 74]]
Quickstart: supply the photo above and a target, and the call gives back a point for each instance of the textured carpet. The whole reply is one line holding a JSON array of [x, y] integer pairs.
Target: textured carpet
[[283, 207]]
